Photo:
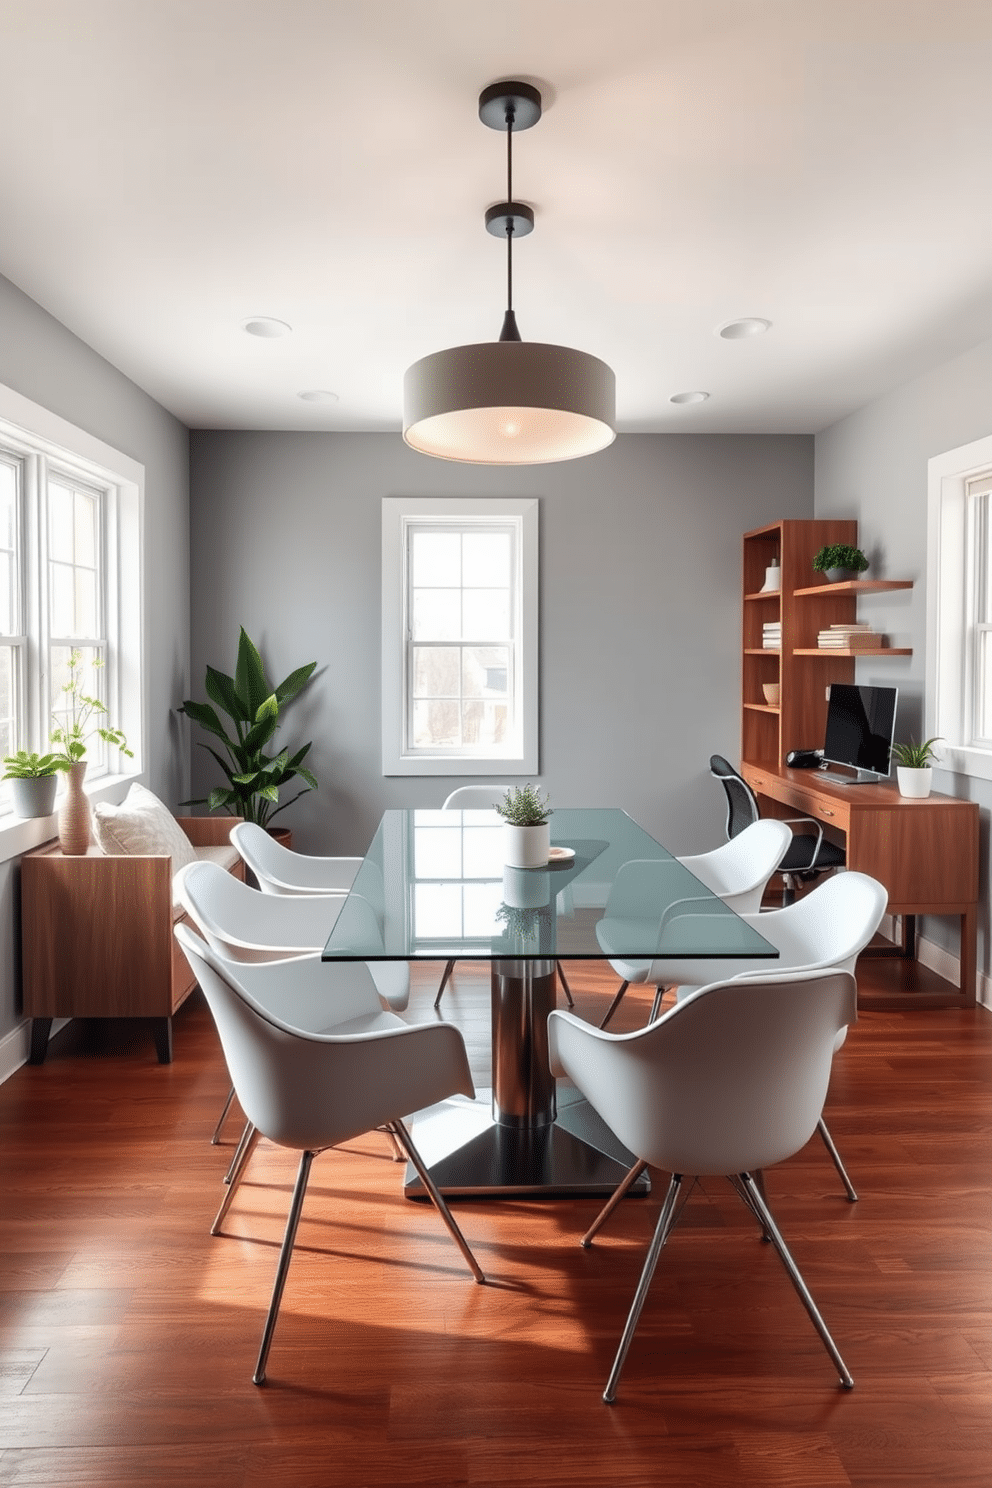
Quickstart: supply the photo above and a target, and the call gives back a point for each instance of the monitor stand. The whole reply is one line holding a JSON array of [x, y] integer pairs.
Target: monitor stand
[[856, 777]]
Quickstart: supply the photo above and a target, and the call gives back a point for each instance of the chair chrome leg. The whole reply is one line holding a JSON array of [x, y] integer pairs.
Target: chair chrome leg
[[246, 1149], [564, 985], [661, 1233], [444, 982], [761, 1208], [659, 993], [406, 1141], [235, 1160], [618, 1193], [614, 1004], [223, 1117], [828, 1142], [285, 1255]]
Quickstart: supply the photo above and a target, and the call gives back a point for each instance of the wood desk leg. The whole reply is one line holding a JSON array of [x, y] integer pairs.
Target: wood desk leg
[[162, 1030], [969, 955], [40, 1029]]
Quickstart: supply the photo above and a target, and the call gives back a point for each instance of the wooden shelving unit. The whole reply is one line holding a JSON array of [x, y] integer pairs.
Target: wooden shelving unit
[[803, 610]]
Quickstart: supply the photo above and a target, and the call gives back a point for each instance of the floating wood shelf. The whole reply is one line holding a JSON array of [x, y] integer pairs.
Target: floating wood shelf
[[762, 651], [855, 586], [764, 594], [761, 708], [853, 651]]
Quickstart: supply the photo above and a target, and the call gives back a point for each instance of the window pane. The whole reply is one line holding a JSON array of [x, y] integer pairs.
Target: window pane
[[486, 559], [60, 522], [62, 600], [85, 529], [8, 503], [485, 671], [436, 559], [437, 852], [983, 689], [486, 615], [435, 671], [437, 911], [484, 723], [8, 718], [89, 681], [436, 615], [435, 725], [84, 620], [7, 625]]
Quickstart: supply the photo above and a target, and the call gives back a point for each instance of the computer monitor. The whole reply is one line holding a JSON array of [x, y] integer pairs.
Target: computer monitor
[[860, 725]]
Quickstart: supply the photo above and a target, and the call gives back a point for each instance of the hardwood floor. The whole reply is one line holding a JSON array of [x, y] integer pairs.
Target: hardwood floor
[[129, 1334]]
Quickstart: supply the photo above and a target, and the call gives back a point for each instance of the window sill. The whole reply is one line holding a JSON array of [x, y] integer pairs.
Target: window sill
[[960, 760], [19, 834]]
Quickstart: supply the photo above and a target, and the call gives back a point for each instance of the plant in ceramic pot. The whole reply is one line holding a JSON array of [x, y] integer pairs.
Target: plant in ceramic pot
[[33, 781], [80, 719], [839, 561], [526, 833], [254, 776], [914, 767]]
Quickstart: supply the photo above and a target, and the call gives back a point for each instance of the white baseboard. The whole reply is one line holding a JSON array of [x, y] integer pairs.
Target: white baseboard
[[15, 1049], [937, 959]]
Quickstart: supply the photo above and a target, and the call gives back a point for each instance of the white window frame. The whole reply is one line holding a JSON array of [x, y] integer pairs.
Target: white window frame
[[43, 439], [953, 583], [399, 514]]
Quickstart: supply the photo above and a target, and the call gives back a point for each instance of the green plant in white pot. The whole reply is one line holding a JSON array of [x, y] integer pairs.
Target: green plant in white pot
[[914, 767], [526, 832], [33, 781], [840, 561]]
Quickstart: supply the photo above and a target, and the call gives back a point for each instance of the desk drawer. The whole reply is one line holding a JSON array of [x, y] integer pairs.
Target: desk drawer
[[800, 799]]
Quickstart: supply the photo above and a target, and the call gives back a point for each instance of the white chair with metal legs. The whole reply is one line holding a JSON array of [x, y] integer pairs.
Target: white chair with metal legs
[[282, 871], [484, 798], [830, 927], [737, 872], [310, 1091], [727, 1083]]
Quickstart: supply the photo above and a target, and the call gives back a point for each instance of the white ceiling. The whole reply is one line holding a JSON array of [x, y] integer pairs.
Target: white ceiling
[[171, 167]]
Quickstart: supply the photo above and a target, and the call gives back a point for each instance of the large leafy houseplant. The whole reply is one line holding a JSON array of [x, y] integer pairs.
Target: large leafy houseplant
[[254, 776]]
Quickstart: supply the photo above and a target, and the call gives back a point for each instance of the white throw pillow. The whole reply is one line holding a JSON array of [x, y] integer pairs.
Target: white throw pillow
[[142, 826]]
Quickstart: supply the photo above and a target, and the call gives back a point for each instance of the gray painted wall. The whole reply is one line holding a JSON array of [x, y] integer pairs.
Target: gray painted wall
[[873, 466], [42, 360], [640, 608]]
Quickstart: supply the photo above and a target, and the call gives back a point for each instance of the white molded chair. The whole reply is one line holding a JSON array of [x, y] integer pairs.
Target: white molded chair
[[310, 1090], [737, 872], [728, 1082], [484, 798], [829, 928], [281, 871]]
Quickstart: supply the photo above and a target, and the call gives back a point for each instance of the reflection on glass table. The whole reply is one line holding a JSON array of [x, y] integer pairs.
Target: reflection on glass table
[[434, 887]]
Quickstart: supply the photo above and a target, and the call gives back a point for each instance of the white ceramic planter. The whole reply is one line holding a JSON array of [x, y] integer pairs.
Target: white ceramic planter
[[914, 783], [526, 847]]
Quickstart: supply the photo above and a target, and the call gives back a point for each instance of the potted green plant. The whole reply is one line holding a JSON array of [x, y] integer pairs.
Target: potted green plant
[[33, 781], [526, 833], [80, 721], [914, 767], [254, 776], [839, 561]]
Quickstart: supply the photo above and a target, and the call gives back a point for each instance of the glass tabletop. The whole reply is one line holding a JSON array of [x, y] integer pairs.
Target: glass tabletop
[[434, 887]]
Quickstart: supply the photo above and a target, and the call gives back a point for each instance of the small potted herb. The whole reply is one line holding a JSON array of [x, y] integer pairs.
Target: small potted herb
[[839, 561], [914, 767], [33, 781], [526, 833]]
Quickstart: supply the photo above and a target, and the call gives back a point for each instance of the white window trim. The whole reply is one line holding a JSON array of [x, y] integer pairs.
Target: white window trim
[[948, 586], [29, 425], [396, 760]]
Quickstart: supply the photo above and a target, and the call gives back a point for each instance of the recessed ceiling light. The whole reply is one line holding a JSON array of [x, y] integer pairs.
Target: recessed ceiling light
[[266, 327], [318, 395], [738, 330], [696, 397]]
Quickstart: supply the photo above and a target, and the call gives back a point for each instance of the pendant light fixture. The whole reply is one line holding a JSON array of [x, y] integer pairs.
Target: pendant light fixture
[[509, 402]]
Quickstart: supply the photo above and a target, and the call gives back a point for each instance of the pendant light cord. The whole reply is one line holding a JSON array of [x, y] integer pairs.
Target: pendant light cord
[[510, 116]]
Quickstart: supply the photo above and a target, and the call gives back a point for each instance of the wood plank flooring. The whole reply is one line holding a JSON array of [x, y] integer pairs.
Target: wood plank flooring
[[128, 1334]]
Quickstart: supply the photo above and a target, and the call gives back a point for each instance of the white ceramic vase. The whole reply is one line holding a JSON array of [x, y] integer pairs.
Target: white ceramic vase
[[914, 783], [526, 847]]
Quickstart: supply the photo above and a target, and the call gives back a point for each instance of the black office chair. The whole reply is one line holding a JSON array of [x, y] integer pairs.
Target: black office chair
[[807, 856]]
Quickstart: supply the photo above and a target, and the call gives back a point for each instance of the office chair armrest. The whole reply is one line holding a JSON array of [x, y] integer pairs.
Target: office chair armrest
[[798, 821]]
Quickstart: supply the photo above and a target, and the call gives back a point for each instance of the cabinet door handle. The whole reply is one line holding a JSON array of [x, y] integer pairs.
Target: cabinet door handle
[[824, 812]]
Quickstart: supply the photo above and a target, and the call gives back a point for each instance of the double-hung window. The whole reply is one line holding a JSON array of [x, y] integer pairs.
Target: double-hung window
[[959, 607], [70, 512], [459, 638]]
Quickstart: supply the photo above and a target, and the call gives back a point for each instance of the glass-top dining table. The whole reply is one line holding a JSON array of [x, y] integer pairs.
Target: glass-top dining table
[[433, 887]]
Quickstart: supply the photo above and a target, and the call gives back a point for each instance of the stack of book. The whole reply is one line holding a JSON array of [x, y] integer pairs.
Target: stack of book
[[851, 637], [771, 635]]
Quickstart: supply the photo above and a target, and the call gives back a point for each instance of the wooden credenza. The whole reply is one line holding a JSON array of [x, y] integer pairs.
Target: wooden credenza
[[97, 936], [924, 852]]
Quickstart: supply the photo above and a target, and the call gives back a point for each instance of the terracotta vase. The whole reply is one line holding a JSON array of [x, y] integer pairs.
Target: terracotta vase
[[74, 816]]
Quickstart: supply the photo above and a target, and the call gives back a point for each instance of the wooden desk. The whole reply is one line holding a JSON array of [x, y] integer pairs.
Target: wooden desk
[[924, 852]]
